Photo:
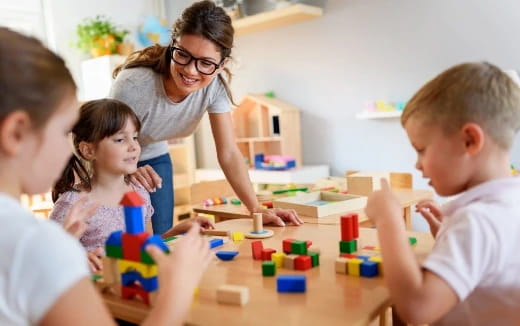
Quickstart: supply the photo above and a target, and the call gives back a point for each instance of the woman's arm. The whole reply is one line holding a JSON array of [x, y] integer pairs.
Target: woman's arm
[[235, 170]]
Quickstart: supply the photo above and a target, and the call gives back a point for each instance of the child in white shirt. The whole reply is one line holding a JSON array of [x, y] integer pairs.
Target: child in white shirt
[[462, 125]]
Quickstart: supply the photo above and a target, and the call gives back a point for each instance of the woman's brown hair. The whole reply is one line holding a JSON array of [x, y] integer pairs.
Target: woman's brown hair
[[32, 78], [98, 119], [203, 18]]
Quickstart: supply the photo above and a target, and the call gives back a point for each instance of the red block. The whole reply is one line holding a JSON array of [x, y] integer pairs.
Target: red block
[[266, 253], [303, 263], [257, 247], [309, 243], [132, 199], [286, 245], [132, 244], [355, 226], [268, 204], [347, 227], [130, 291], [348, 256]]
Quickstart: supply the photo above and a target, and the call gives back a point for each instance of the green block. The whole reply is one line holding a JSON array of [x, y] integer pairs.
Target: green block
[[235, 201], [170, 239], [268, 268], [315, 258], [95, 277], [114, 251], [348, 247], [146, 258], [412, 240], [299, 247]]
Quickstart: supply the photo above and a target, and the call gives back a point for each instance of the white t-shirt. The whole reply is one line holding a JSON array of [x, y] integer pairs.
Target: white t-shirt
[[142, 90], [39, 261], [477, 253]]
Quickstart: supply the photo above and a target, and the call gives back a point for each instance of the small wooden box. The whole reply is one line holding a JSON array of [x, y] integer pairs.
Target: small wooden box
[[319, 204]]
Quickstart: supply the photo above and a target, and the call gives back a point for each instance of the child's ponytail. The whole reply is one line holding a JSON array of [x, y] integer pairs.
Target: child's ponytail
[[66, 182]]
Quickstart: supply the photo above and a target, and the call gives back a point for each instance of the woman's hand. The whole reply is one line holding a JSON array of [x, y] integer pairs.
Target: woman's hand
[[278, 216], [183, 227], [79, 213], [146, 177]]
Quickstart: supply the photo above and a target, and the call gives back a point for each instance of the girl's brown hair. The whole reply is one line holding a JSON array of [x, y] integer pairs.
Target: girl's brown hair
[[203, 18], [97, 120], [32, 78]]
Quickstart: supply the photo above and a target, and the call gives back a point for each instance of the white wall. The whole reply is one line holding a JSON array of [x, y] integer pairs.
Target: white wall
[[62, 17]]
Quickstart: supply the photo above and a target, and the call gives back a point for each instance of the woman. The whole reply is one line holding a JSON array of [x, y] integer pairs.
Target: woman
[[170, 88]]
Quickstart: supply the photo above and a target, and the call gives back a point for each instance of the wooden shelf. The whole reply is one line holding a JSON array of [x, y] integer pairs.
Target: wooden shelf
[[378, 115], [275, 18]]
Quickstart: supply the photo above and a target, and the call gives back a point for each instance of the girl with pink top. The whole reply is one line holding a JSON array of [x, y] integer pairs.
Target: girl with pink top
[[105, 140]]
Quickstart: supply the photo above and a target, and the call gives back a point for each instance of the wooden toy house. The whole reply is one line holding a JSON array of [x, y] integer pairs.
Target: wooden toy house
[[268, 126]]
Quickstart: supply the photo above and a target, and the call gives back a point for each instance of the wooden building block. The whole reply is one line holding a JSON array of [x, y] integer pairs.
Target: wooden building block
[[354, 266], [299, 247], [379, 261], [237, 236], [286, 245], [341, 265], [256, 248], [288, 261], [303, 263], [277, 258], [233, 294], [267, 253], [268, 268], [348, 247], [315, 258], [111, 273]]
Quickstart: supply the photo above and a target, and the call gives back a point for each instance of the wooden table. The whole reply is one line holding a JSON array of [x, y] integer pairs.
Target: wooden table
[[407, 198], [331, 299]]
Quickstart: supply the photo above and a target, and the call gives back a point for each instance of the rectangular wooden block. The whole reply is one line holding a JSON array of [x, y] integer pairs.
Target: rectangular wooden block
[[348, 247], [233, 294], [335, 203], [256, 248], [277, 258]]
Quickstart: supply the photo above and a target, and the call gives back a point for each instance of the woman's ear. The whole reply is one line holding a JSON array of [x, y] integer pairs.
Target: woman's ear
[[474, 138], [14, 130], [87, 150]]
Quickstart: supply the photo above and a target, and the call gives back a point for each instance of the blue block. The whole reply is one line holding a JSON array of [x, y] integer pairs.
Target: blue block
[[157, 241], [368, 269], [149, 284], [115, 239], [291, 283], [215, 243], [226, 255], [134, 220], [365, 258]]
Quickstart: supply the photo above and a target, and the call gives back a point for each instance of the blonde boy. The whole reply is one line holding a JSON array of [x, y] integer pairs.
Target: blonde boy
[[462, 125]]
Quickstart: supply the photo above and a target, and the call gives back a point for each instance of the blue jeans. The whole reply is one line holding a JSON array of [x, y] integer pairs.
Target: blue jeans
[[162, 199]]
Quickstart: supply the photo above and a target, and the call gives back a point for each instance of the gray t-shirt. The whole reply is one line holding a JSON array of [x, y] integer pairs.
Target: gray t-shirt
[[161, 119]]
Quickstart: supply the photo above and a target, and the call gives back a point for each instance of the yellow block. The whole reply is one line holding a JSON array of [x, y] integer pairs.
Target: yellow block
[[237, 236], [379, 261], [354, 265], [278, 257], [146, 271]]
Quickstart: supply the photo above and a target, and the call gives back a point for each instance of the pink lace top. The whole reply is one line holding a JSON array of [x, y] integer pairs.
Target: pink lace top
[[105, 221]]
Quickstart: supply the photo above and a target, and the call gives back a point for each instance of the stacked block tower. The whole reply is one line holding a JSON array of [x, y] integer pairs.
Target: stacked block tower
[[127, 263], [349, 233], [348, 263]]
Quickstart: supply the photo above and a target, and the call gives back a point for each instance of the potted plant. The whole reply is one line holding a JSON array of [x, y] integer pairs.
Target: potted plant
[[99, 36]]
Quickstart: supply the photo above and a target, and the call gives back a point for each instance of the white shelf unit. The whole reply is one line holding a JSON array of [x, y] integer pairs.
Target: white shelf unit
[[378, 115]]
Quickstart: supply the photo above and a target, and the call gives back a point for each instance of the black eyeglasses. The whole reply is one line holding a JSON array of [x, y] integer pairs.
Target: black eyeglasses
[[204, 66]]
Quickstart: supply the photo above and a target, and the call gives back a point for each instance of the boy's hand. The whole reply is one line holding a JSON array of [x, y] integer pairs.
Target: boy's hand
[[79, 213], [278, 216], [146, 177], [94, 260], [382, 205], [431, 212]]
